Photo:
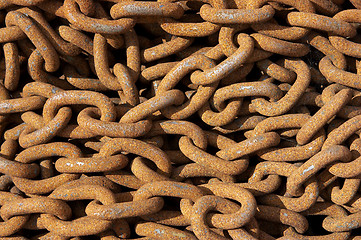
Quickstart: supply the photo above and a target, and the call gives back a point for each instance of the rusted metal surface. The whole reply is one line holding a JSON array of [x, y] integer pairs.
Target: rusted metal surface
[[180, 119]]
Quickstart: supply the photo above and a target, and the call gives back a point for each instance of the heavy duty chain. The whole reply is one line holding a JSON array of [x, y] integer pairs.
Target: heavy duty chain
[[180, 120]]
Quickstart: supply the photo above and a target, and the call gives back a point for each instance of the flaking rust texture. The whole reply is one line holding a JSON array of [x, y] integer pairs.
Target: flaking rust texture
[[180, 120]]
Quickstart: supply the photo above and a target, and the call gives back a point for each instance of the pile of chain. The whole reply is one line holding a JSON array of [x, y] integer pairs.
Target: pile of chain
[[180, 120]]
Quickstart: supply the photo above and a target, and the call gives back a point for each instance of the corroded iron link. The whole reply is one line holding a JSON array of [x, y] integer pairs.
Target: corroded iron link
[[180, 120]]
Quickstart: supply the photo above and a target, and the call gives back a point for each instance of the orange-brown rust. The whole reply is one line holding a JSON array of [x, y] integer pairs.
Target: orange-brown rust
[[180, 119]]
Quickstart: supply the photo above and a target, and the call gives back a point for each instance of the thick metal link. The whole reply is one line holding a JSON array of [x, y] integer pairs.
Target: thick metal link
[[180, 119]]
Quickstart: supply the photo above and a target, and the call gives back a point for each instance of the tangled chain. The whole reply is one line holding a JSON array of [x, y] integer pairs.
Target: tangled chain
[[180, 120]]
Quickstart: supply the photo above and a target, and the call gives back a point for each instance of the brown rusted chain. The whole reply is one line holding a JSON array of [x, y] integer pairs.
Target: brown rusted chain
[[312, 165], [285, 103], [94, 180], [50, 183], [79, 97], [342, 133], [124, 209], [82, 192], [233, 16], [92, 164], [233, 62], [311, 20], [45, 48], [168, 217], [275, 71], [200, 208], [180, 127], [9, 34], [241, 123], [226, 35], [165, 49], [294, 153], [59, 44], [346, 193], [86, 23], [348, 169], [12, 65], [158, 102], [42, 186], [342, 44], [154, 230], [327, 7], [348, 111], [29, 138], [273, 29], [143, 10], [258, 142], [319, 118], [168, 188], [334, 74], [196, 170], [87, 120], [15, 223], [21, 104], [181, 29], [327, 209], [281, 47], [121, 80], [203, 158], [199, 98], [76, 80], [141, 148], [13, 168], [324, 45], [101, 63], [133, 54], [297, 204], [35, 69], [287, 217], [246, 89], [226, 115], [76, 38], [81, 226], [20, 2], [237, 193], [156, 71], [31, 205], [180, 119], [34, 153]]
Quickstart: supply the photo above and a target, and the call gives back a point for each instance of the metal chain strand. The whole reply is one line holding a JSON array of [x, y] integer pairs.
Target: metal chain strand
[[180, 120]]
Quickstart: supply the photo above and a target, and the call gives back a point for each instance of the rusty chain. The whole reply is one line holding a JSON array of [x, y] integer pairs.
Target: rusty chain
[[180, 120]]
